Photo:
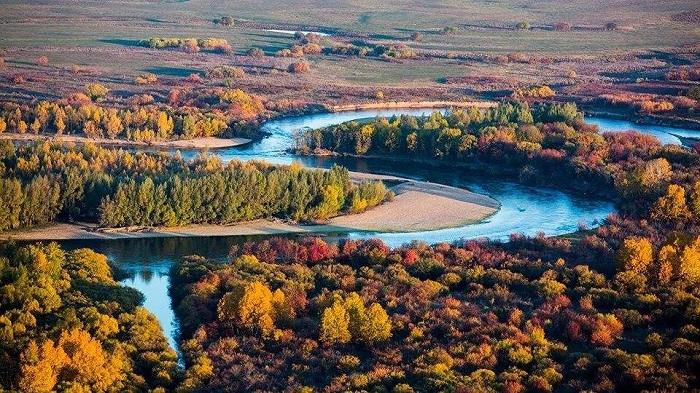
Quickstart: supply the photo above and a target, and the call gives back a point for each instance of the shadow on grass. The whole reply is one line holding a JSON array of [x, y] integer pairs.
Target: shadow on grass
[[120, 41], [172, 71]]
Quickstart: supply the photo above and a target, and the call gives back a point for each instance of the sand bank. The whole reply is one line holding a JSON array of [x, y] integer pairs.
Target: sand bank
[[195, 143], [411, 105]]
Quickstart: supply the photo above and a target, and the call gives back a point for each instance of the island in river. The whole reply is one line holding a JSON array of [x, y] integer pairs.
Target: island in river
[[416, 206]]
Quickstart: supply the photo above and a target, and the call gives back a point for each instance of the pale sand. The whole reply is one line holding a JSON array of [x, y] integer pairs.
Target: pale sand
[[195, 143], [411, 105], [417, 206]]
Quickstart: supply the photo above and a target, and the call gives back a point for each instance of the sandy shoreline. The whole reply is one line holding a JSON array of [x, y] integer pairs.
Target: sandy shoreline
[[417, 206], [195, 143], [411, 105]]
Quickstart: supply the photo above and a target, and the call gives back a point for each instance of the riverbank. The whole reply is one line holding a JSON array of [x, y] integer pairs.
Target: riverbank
[[411, 105], [417, 206], [194, 143]]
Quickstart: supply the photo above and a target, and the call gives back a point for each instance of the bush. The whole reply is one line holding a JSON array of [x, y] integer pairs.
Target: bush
[[146, 79], [255, 52], [416, 36], [95, 91], [225, 71], [42, 61], [523, 25], [694, 93], [225, 21], [449, 30], [611, 26], [300, 67], [562, 26]]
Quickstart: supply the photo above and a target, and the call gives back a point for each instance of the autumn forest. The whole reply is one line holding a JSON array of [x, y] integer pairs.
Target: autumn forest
[[395, 197]]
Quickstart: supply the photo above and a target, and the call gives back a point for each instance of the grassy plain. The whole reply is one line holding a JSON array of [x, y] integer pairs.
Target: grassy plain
[[103, 36]]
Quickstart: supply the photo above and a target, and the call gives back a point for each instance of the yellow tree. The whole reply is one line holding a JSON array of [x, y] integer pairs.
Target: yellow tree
[[694, 196], [112, 123], [681, 255], [635, 254], [249, 306], [335, 323], [376, 326], [59, 121], [672, 205], [164, 125], [41, 365]]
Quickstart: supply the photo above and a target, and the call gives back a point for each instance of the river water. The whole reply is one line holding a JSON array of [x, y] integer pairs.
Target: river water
[[526, 210]]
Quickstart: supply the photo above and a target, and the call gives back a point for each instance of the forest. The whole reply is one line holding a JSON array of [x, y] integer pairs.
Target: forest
[[615, 308], [142, 120], [42, 183], [67, 325]]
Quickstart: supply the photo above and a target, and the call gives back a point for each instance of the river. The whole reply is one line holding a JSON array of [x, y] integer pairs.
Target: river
[[527, 210]]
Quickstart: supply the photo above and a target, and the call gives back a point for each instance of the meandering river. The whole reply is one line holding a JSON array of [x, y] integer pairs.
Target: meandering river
[[527, 210]]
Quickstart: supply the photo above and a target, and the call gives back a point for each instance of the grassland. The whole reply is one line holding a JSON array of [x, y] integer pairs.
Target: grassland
[[103, 36]]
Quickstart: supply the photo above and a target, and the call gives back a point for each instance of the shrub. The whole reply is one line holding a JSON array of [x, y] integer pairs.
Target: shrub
[[146, 79], [225, 71], [42, 61], [416, 36], [189, 46], [562, 26], [225, 21], [95, 91], [300, 67], [611, 26], [449, 30], [255, 52], [523, 25]]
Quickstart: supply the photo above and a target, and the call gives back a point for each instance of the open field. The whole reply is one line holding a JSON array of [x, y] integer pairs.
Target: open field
[[70, 33]]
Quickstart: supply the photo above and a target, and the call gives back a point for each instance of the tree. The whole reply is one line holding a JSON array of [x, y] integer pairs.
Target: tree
[[635, 254], [95, 91], [300, 67], [694, 197], [335, 323], [256, 52], [249, 306], [41, 366], [3, 125], [671, 206], [416, 36], [376, 327], [523, 25]]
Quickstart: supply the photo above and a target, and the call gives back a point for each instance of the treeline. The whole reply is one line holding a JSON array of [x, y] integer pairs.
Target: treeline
[[314, 44], [67, 325], [190, 45], [44, 182], [140, 123], [549, 143]]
